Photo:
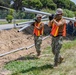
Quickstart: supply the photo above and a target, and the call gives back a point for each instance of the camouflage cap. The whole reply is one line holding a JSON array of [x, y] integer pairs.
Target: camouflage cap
[[59, 11], [39, 15]]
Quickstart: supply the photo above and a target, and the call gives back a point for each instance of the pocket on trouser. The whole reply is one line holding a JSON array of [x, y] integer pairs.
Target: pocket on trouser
[[39, 42], [60, 41]]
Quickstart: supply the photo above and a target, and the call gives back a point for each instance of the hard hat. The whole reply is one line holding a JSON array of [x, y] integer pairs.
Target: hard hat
[[59, 11], [39, 15]]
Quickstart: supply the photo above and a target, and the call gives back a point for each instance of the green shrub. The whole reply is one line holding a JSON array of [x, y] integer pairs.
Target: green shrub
[[9, 18], [75, 13], [68, 13], [48, 11]]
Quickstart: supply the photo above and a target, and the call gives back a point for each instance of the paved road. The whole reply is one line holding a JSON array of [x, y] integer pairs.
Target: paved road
[[6, 26]]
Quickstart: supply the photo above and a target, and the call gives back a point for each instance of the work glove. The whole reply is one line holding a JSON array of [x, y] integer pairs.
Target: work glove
[[51, 17]]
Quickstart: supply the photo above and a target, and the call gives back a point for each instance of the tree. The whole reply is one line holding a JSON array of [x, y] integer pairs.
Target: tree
[[68, 13], [25, 3], [10, 16], [72, 6], [5, 3], [75, 13], [48, 4], [35, 4], [66, 4], [17, 5]]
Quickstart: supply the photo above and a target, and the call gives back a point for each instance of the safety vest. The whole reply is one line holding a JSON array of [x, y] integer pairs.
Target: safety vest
[[55, 30], [36, 31]]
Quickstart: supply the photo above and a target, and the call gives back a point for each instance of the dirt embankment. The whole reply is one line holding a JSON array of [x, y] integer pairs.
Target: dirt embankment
[[11, 40]]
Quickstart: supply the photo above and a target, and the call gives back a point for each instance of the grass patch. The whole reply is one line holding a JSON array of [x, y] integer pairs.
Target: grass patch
[[69, 45], [30, 65], [16, 21], [3, 22]]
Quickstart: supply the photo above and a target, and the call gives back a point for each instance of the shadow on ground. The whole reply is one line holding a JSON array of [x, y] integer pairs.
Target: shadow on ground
[[41, 68]]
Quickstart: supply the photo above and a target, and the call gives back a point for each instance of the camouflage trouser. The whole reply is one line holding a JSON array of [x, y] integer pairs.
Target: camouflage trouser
[[38, 42], [56, 46]]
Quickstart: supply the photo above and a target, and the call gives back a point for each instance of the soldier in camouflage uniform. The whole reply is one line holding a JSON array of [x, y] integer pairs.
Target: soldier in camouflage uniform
[[58, 30], [38, 32]]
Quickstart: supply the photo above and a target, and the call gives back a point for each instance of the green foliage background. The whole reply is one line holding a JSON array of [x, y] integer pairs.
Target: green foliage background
[[68, 6]]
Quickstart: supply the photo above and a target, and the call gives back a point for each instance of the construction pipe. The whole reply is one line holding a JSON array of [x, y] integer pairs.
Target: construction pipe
[[26, 25], [44, 13], [23, 27], [5, 8], [72, 19], [34, 11], [30, 46], [1, 55], [29, 22], [39, 12]]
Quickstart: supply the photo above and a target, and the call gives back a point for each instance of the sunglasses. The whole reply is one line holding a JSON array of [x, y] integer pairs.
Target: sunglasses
[[59, 14], [39, 17]]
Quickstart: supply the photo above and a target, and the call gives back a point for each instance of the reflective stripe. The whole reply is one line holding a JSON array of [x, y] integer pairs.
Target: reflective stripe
[[38, 32], [64, 30], [56, 32]]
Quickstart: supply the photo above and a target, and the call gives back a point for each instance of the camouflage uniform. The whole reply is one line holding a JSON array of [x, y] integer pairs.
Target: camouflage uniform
[[58, 31], [38, 32], [38, 42], [56, 46]]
